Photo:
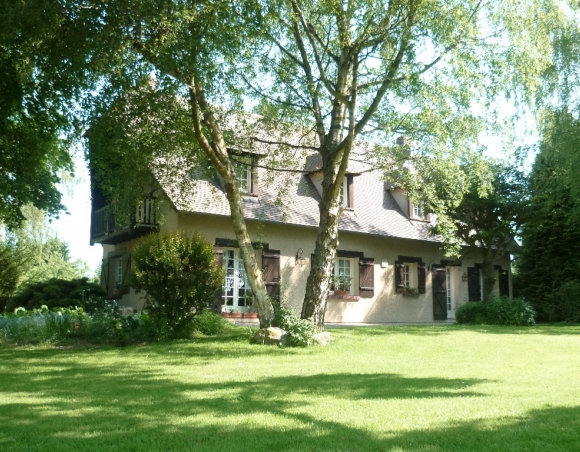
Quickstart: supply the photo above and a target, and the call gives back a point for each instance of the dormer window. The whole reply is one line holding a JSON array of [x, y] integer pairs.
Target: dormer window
[[417, 211], [246, 174]]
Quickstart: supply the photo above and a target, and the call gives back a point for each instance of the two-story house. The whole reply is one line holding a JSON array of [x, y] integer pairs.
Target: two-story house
[[397, 269]]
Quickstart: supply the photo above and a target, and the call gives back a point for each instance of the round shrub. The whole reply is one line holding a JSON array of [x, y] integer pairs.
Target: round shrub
[[180, 278], [60, 293], [501, 311]]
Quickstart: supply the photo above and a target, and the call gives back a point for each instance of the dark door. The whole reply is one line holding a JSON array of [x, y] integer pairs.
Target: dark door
[[439, 277]]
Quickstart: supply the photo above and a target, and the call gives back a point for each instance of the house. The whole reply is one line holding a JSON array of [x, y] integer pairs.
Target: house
[[397, 270]]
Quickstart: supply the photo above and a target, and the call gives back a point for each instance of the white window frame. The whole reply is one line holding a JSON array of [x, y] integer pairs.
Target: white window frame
[[419, 210], [344, 192], [119, 271], [236, 280], [344, 266], [449, 289], [244, 176], [410, 275]]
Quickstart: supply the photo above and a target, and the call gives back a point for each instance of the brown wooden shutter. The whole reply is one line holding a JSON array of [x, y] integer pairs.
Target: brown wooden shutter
[[473, 284], [399, 276], [219, 261], [271, 268], [350, 190], [254, 181], [125, 282], [105, 274], [366, 277], [422, 276], [504, 283], [111, 283]]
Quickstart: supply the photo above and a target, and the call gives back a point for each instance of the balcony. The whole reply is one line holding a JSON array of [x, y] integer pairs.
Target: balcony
[[108, 230]]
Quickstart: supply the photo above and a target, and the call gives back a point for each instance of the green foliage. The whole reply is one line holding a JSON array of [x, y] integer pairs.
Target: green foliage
[[550, 257], [59, 325], [60, 293], [500, 311], [209, 323], [10, 272], [300, 331], [180, 278]]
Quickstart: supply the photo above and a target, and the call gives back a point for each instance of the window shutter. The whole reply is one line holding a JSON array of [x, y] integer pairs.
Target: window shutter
[[504, 283], [422, 276], [111, 285], [399, 276], [254, 181], [105, 274], [271, 267], [125, 283], [366, 269], [350, 190], [473, 288]]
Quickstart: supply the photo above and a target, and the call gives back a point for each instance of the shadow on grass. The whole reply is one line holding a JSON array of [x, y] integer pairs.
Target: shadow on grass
[[73, 404], [434, 330]]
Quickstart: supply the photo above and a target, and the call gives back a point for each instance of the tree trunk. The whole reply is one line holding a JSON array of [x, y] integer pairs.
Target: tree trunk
[[488, 278], [322, 266], [262, 300], [217, 152]]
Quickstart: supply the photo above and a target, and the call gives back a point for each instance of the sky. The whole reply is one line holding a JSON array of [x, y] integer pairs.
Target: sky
[[74, 226]]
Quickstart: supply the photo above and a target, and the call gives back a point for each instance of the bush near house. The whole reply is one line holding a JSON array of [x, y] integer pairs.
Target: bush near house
[[180, 278], [500, 311], [60, 293]]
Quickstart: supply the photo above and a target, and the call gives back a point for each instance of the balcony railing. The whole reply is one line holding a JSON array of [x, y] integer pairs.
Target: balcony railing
[[107, 228]]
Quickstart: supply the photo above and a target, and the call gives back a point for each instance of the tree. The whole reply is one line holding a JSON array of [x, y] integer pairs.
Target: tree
[[42, 72], [346, 69], [489, 218], [42, 254], [547, 266]]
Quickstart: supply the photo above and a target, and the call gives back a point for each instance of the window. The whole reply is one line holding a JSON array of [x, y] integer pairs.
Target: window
[[410, 275], [343, 274], [236, 289], [119, 271], [419, 210], [244, 175]]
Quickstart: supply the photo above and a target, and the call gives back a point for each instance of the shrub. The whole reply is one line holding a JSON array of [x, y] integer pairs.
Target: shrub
[[61, 293], [300, 331], [209, 323], [501, 311], [180, 278]]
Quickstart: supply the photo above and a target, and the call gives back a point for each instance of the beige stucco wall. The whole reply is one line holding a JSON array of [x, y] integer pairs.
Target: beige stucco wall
[[385, 306]]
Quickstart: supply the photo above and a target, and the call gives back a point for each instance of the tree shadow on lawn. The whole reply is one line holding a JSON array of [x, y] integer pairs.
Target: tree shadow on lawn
[[71, 405], [105, 408], [435, 330]]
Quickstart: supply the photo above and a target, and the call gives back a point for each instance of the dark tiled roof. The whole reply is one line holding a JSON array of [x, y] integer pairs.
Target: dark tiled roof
[[292, 198]]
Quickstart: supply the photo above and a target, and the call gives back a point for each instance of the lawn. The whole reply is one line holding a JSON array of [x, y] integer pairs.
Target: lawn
[[373, 389]]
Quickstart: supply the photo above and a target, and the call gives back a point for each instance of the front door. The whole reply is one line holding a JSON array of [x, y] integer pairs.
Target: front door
[[236, 290], [439, 278]]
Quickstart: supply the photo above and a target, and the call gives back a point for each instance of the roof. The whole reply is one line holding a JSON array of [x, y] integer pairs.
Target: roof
[[292, 198]]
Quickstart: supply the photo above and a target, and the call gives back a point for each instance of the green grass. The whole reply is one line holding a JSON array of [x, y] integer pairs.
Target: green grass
[[373, 389]]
